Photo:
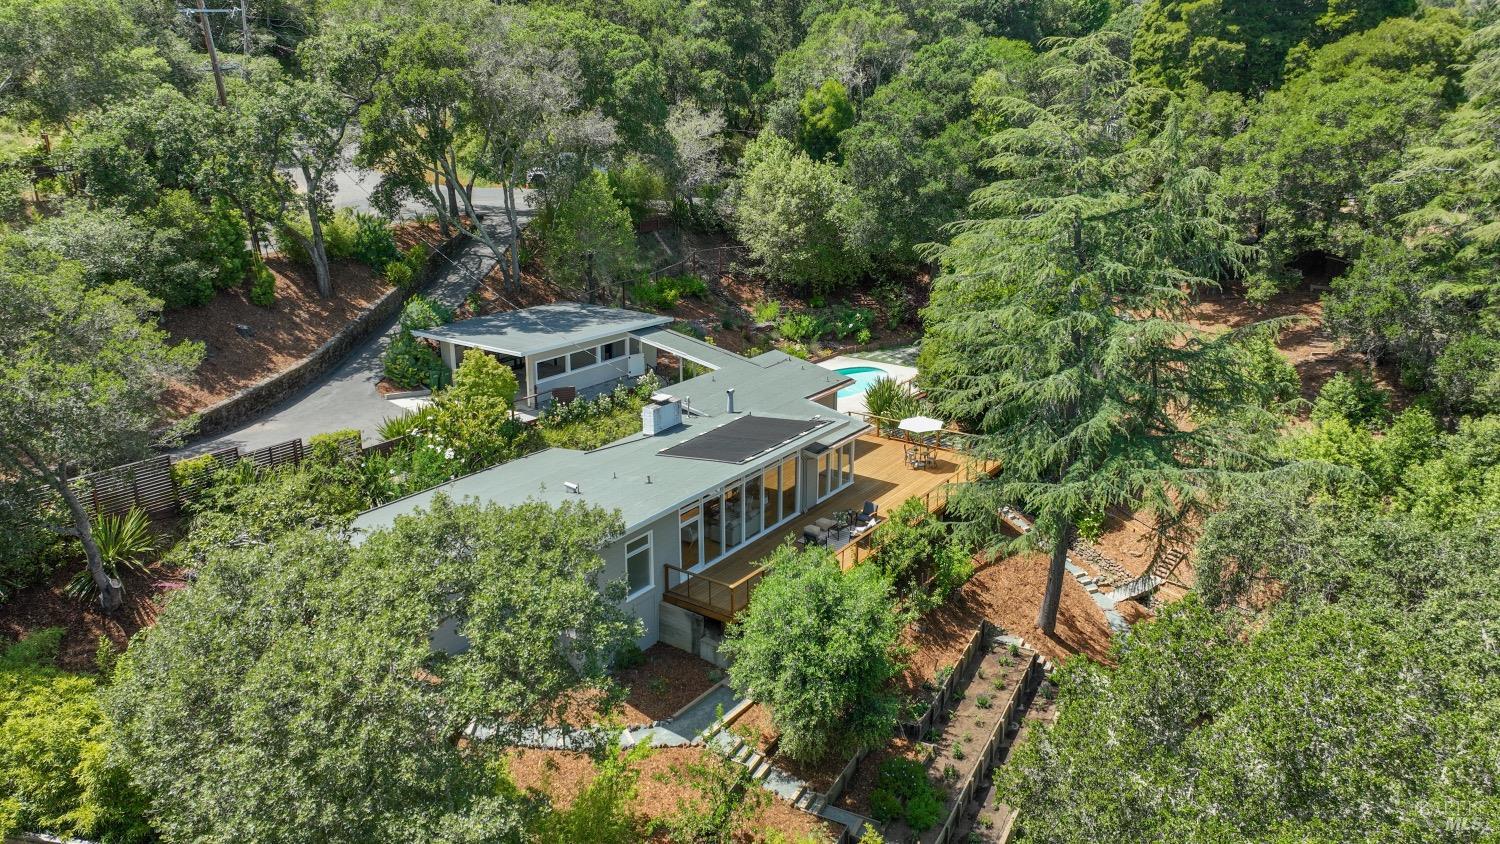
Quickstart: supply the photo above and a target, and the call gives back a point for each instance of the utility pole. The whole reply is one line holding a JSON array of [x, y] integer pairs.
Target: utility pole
[[244, 37], [213, 54]]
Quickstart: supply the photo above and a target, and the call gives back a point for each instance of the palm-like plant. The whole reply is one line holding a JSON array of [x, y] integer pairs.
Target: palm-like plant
[[125, 542], [891, 400]]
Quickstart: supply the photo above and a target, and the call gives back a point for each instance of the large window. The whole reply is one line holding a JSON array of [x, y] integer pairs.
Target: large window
[[638, 567], [789, 488], [773, 495], [734, 506], [692, 538], [753, 506], [610, 351], [582, 358], [551, 367]]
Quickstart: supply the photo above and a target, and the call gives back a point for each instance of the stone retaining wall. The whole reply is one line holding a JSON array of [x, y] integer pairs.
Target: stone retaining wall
[[258, 397]]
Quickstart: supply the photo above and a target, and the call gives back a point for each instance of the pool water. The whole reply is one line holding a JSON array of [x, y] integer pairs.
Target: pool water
[[863, 377]]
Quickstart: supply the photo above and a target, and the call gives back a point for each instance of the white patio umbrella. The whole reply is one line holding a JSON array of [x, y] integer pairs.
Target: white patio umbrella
[[921, 424]]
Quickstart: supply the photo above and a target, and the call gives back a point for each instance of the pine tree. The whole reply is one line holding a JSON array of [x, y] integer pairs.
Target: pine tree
[[1056, 328]]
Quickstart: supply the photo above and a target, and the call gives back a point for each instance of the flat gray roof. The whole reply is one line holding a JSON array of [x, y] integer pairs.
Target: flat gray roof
[[631, 475], [543, 329]]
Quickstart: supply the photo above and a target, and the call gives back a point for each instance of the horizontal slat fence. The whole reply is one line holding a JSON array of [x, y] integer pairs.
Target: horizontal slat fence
[[148, 485]]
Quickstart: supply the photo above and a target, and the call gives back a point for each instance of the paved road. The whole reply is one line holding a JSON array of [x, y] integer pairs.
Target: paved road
[[346, 397], [352, 188]]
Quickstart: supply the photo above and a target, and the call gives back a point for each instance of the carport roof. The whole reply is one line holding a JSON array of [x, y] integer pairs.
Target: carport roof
[[543, 329]]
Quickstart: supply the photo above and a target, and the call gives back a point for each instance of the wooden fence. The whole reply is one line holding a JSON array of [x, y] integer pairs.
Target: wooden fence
[[967, 663], [151, 486]]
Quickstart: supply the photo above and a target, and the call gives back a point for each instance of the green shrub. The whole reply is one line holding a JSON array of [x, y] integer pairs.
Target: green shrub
[[885, 806], [891, 399], [853, 322], [914, 550], [1091, 527], [29, 551], [422, 312], [262, 285], [796, 350], [55, 762], [904, 778], [628, 656], [801, 328], [386, 477], [767, 310], [416, 257], [192, 470], [334, 446], [664, 293], [925, 810], [340, 234], [374, 245], [1355, 398], [411, 364], [399, 274], [396, 427]]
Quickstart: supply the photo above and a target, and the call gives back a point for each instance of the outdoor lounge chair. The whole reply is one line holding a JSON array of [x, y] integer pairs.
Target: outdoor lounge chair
[[814, 535], [563, 395], [866, 514]]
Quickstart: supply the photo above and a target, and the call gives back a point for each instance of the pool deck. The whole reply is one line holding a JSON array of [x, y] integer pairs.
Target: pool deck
[[856, 404]]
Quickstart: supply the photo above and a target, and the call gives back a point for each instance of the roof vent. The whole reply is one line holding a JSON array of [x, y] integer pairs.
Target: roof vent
[[571, 487], [729, 393]]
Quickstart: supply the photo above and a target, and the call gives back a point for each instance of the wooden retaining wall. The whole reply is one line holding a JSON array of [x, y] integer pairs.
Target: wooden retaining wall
[[964, 670], [994, 747]]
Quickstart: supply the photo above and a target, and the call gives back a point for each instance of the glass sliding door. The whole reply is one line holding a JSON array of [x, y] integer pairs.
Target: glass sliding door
[[713, 529], [692, 537], [789, 488], [734, 517], [754, 507], [773, 495]]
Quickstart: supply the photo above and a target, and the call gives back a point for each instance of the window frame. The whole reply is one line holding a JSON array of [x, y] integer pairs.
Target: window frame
[[562, 359], [650, 549], [593, 358]]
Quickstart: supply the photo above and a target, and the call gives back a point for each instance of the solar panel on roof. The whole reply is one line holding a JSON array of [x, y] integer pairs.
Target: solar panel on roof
[[744, 438]]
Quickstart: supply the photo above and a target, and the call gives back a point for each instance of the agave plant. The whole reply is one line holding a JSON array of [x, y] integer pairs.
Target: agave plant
[[125, 542]]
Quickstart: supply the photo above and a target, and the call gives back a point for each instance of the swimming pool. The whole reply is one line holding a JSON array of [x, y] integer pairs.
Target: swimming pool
[[863, 377]]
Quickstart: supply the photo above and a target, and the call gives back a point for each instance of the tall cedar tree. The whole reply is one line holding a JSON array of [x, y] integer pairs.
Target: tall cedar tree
[[1056, 328]]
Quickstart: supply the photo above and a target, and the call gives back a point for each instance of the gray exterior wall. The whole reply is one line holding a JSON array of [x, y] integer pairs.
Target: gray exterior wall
[[665, 548], [589, 377]]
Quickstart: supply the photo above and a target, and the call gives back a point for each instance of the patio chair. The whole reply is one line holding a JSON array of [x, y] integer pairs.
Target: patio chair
[[866, 514], [563, 395], [812, 534]]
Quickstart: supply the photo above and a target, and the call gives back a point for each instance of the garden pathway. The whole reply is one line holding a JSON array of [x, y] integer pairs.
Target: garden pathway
[[1105, 602]]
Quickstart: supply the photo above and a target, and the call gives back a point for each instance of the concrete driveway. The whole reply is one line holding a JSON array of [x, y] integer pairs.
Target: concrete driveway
[[346, 397]]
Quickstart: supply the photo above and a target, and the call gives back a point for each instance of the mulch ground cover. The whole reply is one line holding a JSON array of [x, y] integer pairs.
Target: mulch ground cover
[[664, 682], [279, 336], [562, 775]]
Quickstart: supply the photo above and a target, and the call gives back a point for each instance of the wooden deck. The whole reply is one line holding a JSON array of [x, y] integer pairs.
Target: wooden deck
[[880, 475]]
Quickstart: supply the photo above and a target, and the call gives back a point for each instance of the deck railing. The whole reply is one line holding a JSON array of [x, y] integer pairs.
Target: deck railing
[[720, 599], [888, 428]]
